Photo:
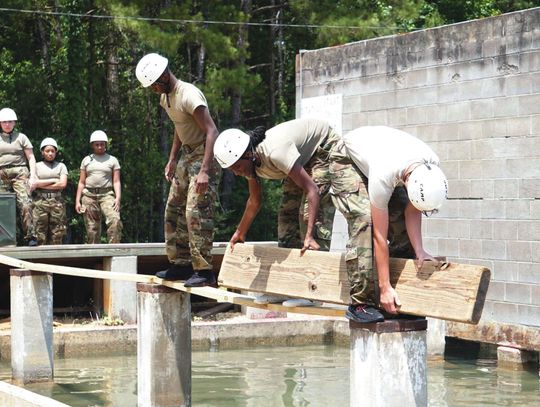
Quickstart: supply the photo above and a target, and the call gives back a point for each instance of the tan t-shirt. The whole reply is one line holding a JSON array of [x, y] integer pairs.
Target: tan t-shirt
[[13, 153], [287, 143], [54, 170], [99, 170], [184, 99]]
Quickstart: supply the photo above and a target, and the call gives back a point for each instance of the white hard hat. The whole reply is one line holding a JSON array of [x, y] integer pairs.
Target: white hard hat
[[230, 146], [48, 141], [427, 187], [150, 68], [98, 135], [7, 115]]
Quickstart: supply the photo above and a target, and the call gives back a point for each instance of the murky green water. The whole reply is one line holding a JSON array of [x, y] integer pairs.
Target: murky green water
[[283, 376]]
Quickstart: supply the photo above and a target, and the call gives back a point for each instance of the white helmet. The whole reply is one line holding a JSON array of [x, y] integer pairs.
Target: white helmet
[[48, 141], [98, 135], [427, 187], [150, 68], [230, 146], [7, 115]]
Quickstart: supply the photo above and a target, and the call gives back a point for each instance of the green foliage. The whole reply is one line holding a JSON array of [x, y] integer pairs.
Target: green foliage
[[66, 76]]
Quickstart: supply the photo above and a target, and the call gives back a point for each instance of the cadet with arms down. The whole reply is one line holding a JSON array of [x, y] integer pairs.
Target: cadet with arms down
[[189, 213], [99, 191], [49, 205], [16, 156]]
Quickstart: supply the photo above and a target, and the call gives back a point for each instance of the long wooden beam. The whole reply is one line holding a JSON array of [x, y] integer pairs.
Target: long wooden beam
[[449, 291], [220, 295]]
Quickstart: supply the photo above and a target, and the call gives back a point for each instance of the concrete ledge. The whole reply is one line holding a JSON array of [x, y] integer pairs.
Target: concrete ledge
[[234, 333], [11, 395]]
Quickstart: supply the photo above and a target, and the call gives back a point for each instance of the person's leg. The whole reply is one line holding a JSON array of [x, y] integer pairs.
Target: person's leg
[[112, 218], [40, 214], [19, 179], [92, 218], [398, 239], [200, 219], [58, 220], [289, 216]]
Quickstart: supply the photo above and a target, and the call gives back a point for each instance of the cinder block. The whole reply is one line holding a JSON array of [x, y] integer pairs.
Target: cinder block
[[493, 209], [460, 229], [460, 189], [519, 250], [530, 273], [506, 188], [458, 112], [470, 130], [529, 104], [416, 115], [505, 312], [470, 208], [493, 87], [448, 247], [505, 107], [505, 271], [535, 295], [518, 293], [515, 359], [518, 126], [436, 227], [496, 291], [519, 168], [493, 249], [494, 128], [529, 188], [469, 248], [535, 247], [481, 229], [505, 230], [481, 109], [519, 84], [471, 169], [529, 315], [529, 230], [397, 117]]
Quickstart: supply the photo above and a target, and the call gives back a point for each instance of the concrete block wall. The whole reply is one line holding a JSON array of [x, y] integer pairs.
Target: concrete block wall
[[472, 92]]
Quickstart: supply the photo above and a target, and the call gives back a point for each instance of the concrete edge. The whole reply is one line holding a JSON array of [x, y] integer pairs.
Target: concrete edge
[[230, 334], [11, 395]]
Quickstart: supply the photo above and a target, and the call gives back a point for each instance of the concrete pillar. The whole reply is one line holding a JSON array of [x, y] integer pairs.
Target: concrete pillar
[[389, 363], [436, 336], [31, 326], [120, 297], [163, 346], [516, 359]]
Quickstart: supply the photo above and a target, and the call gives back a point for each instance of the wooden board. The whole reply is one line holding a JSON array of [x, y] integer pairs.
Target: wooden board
[[220, 295], [449, 291]]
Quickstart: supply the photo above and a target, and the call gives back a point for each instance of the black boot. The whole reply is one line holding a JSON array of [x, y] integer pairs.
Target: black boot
[[201, 278], [32, 242], [176, 272]]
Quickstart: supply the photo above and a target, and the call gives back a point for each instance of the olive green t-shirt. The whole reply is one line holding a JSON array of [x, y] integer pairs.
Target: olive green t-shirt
[[183, 101], [99, 170], [54, 170], [13, 153], [287, 143]]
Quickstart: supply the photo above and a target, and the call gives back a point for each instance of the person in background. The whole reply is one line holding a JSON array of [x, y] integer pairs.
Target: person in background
[[99, 191], [189, 213], [18, 170], [49, 206]]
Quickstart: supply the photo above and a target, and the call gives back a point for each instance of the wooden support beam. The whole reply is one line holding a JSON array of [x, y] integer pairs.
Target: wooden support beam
[[449, 291]]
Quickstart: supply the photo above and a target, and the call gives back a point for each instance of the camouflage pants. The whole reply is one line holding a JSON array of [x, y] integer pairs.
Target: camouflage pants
[[95, 205], [293, 209], [50, 217], [189, 217], [350, 197], [16, 179]]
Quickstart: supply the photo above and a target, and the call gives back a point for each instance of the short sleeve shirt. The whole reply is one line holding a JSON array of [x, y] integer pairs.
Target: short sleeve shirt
[[54, 170], [12, 153], [183, 101], [99, 170], [288, 143], [383, 154]]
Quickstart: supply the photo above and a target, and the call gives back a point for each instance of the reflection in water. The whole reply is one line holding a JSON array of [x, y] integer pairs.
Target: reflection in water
[[282, 377]]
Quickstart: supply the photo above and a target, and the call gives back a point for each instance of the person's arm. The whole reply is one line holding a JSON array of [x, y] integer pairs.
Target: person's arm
[[117, 186], [301, 178], [80, 187], [253, 205], [413, 222], [29, 153], [388, 297], [54, 184], [170, 167], [205, 122]]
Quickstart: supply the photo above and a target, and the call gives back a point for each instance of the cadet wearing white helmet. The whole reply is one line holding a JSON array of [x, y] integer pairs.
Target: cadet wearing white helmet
[[189, 213], [16, 158], [49, 206], [400, 179], [99, 191]]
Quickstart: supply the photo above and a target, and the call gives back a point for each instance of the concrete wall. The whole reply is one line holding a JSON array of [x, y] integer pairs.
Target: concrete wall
[[472, 92]]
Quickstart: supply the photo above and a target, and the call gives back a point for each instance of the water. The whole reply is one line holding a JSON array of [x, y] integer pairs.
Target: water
[[282, 377]]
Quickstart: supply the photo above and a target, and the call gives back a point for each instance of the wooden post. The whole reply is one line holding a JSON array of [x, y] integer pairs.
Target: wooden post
[[31, 326], [389, 363], [163, 346]]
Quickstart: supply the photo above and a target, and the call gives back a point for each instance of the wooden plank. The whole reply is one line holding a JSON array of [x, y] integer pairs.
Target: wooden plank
[[449, 291], [220, 295]]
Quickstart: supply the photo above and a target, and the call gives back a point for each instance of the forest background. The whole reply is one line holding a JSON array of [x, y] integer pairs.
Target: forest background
[[67, 67]]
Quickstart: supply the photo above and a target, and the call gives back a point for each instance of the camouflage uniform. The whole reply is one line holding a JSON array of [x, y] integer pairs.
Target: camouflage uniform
[[96, 201], [350, 197], [189, 217], [50, 217], [293, 209], [16, 179]]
